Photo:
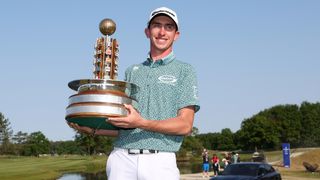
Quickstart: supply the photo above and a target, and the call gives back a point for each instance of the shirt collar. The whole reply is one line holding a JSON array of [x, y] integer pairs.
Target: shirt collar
[[166, 60]]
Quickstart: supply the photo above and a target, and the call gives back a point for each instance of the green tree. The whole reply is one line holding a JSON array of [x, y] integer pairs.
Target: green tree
[[259, 132], [20, 137], [195, 131], [288, 120], [86, 143], [36, 144], [65, 147], [5, 135], [226, 141], [19, 140], [191, 143], [104, 144], [310, 131], [210, 140]]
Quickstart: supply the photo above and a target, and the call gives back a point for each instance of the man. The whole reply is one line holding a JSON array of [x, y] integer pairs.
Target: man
[[215, 165], [205, 163], [234, 158], [164, 114]]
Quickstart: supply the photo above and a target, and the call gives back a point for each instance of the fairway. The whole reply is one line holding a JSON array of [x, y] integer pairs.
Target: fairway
[[25, 168]]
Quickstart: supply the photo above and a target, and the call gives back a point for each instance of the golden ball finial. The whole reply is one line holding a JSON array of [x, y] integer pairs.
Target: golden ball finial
[[107, 26]]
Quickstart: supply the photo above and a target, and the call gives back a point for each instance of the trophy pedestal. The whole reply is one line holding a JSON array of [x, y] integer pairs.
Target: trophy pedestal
[[98, 99]]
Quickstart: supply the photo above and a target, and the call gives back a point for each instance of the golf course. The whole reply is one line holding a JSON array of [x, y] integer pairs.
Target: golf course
[[53, 167]]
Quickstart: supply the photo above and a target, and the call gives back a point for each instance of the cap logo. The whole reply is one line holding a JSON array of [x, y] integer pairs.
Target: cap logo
[[163, 11]]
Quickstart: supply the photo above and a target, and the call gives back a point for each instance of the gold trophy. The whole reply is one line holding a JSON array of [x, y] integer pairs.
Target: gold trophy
[[104, 96]]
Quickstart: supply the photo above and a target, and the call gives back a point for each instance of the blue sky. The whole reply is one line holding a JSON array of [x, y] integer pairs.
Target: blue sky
[[249, 55]]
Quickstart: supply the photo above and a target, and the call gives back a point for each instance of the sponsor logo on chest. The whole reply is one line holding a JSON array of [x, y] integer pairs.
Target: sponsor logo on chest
[[167, 79]]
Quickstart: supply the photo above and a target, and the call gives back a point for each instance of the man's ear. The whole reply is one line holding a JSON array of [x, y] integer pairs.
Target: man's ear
[[147, 32], [176, 35]]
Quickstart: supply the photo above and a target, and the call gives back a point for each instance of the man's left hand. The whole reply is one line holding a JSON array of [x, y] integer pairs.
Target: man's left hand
[[132, 120]]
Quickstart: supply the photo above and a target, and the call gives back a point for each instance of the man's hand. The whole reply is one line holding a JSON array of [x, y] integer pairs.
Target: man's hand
[[133, 120], [81, 129], [179, 125], [92, 131]]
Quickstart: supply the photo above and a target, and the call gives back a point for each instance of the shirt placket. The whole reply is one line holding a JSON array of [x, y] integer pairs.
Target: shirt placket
[[148, 85]]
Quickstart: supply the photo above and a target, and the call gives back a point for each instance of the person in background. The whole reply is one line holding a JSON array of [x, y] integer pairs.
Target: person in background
[[205, 163], [238, 158], [228, 157], [215, 164], [234, 158], [225, 160]]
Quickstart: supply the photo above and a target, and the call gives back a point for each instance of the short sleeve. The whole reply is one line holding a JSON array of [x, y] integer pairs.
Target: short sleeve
[[188, 89]]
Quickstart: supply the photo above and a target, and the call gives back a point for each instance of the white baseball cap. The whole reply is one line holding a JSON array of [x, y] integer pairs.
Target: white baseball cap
[[166, 11]]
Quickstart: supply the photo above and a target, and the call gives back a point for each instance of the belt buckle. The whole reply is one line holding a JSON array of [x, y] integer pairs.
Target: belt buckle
[[142, 151], [134, 151], [153, 151]]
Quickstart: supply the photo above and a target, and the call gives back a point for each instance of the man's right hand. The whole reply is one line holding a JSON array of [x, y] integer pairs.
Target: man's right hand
[[81, 129], [92, 131]]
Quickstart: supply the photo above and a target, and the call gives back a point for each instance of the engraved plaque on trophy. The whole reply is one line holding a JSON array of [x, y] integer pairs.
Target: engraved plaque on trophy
[[103, 96]]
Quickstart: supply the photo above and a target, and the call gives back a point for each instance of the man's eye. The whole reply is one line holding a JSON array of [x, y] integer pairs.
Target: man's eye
[[169, 27], [156, 25]]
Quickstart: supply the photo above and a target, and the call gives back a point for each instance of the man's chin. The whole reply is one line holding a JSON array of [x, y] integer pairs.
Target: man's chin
[[162, 47]]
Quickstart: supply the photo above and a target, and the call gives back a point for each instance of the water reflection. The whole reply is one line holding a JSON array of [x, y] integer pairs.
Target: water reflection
[[84, 176], [72, 176], [184, 167]]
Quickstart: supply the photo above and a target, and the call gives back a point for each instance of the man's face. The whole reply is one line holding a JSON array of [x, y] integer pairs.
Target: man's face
[[162, 33]]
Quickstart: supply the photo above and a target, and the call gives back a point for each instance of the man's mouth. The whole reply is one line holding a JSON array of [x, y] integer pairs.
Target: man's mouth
[[161, 40]]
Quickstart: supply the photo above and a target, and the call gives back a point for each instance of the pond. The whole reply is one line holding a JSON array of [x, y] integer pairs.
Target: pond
[[184, 167], [84, 176]]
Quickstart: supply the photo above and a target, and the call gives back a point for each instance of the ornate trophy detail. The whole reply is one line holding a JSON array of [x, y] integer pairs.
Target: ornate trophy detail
[[106, 52], [104, 96]]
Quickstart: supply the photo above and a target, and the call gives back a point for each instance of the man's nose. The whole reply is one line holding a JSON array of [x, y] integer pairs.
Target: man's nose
[[162, 30]]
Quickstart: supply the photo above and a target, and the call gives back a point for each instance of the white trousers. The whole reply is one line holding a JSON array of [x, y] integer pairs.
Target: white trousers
[[158, 166]]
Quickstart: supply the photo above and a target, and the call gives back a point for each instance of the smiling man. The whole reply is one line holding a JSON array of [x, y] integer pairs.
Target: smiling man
[[164, 112], [167, 102]]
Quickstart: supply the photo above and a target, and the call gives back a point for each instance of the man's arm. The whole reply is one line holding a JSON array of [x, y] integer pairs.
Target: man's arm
[[179, 125]]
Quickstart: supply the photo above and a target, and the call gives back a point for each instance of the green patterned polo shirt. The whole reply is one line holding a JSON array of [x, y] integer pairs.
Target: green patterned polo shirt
[[166, 86]]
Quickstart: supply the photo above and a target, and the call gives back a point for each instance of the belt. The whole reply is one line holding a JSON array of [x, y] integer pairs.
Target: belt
[[142, 151]]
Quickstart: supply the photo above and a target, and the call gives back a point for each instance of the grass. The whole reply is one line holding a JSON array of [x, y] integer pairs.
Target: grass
[[296, 169], [32, 168]]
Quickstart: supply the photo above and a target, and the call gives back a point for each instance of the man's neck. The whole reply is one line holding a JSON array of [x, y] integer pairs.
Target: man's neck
[[157, 55]]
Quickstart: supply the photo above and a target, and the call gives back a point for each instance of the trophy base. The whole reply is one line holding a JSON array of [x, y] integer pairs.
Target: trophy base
[[93, 122], [97, 100]]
